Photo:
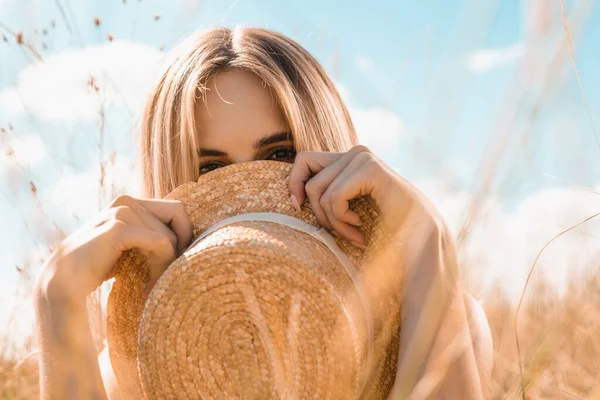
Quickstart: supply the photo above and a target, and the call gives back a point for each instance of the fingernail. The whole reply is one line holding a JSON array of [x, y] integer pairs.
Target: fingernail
[[295, 203], [357, 221], [360, 246]]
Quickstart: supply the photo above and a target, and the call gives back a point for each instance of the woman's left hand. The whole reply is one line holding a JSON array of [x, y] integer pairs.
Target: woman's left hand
[[331, 180], [431, 285]]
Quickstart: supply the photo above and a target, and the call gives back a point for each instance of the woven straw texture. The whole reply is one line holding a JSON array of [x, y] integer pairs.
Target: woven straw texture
[[256, 309]]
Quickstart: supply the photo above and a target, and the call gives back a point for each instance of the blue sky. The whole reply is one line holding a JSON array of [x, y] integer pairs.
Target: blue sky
[[445, 91], [408, 57]]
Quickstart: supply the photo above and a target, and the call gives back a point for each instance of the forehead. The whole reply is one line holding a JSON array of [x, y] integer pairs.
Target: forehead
[[237, 110]]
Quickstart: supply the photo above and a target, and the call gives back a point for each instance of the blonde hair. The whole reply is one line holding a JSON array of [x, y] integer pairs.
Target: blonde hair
[[309, 101]]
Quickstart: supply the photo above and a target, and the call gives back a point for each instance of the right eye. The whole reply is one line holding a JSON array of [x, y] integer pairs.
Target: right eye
[[209, 166]]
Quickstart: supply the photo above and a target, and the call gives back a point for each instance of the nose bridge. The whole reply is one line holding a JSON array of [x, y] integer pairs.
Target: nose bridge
[[242, 156]]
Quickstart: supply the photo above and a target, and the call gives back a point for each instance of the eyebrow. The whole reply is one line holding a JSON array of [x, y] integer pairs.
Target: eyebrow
[[275, 138], [260, 143]]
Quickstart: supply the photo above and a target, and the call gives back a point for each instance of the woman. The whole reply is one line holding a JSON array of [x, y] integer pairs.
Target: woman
[[230, 96]]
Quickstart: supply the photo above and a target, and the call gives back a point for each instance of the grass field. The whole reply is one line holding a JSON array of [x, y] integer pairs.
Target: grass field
[[558, 337]]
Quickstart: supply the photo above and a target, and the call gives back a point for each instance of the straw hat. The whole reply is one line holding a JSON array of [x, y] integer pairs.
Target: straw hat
[[263, 304]]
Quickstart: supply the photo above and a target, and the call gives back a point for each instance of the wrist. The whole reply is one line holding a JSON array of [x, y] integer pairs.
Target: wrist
[[54, 284]]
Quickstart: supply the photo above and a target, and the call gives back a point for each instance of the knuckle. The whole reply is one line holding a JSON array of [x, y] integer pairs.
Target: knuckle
[[121, 212], [116, 226], [172, 238], [324, 201], [372, 165], [170, 247], [181, 207], [361, 148], [335, 194], [302, 155], [165, 241], [311, 188], [121, 199], [364, 157], [336, 206]]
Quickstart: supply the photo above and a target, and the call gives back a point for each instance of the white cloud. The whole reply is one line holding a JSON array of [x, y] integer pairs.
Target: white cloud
[[503, 244], [192, 4], [58, 89], [79, 193], [10, 102], [25, 150], [484, 60], [378, 128], [363, 63], [76, 196]]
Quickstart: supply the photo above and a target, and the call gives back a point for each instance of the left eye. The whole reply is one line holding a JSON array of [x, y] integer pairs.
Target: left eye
[[282, 154]]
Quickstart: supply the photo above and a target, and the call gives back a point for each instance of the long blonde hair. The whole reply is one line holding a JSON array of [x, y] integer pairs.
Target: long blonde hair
[[309, 101]]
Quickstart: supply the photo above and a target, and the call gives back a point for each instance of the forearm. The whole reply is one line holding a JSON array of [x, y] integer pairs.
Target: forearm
[[436, 354], [452, 358], [68, 360]]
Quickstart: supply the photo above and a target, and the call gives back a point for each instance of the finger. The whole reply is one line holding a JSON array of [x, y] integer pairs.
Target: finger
[[342, 228], [171, 213], [313, 192], [160, 248], [340, 208], [354, 181], [336, 202], [174, 214], [142, 218], [156, 225], [307, 164], [321, 182], [317, 186]]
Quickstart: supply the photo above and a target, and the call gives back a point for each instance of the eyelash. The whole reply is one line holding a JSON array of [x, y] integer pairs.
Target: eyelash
[[290, 151]]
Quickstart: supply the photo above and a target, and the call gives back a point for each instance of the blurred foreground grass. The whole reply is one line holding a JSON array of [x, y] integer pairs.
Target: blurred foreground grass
[[558, 338]]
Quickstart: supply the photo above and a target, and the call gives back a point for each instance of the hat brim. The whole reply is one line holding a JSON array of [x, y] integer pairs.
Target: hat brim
[[257, 186]]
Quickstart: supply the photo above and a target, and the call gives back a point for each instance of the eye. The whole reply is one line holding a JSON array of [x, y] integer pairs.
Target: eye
[[283, 153], [209, 166]]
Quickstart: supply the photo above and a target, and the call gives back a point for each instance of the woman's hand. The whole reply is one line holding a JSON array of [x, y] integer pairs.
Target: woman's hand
[[431, 287], [85, 259], [161, 229], [331, 180]]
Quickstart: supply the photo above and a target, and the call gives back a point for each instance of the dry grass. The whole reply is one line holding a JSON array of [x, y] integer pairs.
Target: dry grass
[[18, 380], [558, 336]]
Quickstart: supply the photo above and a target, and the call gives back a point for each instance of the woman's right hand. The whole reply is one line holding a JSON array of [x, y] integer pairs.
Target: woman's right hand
[[160, 228]]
